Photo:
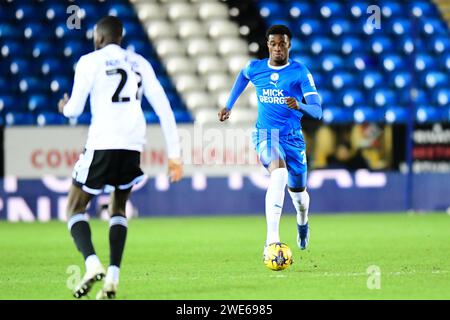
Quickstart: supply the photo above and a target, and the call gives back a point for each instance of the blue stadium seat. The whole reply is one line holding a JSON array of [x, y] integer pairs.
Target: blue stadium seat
[[83, 119], [368, 114], [36, 31], [53, 66], [56, 12], [320, 80], [335, 114], [5, 67], [138, 46], [6, 14], [182, 116], [50, 118], [400, 26], [43, 49], [400, 80], [441, 97], [308, 26], [31, 85], [174, 100], [422, 9], [89, 30], [358, 62], [352, 45], [408, 46], [381, 44], [331, 62], [121, 11], [306, 60], [396, 114], [39, 103], [165, 81], [434, 79], [300, 9], [60, 85], [446, 114], [74, 48], [13, 48], [340, 27], [23, 67], [391, 9], [297, 45], [445, 62], [432, 26], [372, 79], [425, 62], [382, 97], [151, 117], [441, 44], [5, 86], [327, 97], [421, 97], [132, 29], [322, 44], [343, 80], [427, 113], [394, 62], [89, 11], [9, 103], [358, 8], [331, 9], [19, 119], [61, 31], [351, 97], [274, 20], [28, 13], [10, 31], [271, 9]]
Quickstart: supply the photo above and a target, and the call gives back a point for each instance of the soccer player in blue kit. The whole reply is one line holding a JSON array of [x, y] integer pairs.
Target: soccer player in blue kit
[[281, 86]]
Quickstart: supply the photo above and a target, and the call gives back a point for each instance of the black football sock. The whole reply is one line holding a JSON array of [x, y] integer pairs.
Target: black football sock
[[117, 236], [81, 234]]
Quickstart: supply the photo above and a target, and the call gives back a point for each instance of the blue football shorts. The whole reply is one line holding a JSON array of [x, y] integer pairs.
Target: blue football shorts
[[290, 148]]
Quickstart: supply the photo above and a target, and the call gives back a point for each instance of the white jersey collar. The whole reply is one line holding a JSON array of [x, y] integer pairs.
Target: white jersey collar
[[277, 67], [112, 46]]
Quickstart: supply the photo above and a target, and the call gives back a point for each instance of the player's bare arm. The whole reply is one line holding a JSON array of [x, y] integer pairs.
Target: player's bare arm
[[175, 169], [292, 103], [224, 114], [238, 87], [62, 102]]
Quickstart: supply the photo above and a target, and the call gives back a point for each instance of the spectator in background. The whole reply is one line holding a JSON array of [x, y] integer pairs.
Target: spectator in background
[[345, 158]]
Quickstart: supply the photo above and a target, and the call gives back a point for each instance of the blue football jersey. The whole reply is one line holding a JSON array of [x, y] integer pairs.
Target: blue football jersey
[[273, 85]]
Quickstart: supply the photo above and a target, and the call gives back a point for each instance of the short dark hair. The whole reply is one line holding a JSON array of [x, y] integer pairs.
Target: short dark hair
[[110, 27], [278, 29]]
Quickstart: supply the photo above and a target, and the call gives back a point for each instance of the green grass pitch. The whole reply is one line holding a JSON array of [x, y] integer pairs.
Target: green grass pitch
[[221, 258]]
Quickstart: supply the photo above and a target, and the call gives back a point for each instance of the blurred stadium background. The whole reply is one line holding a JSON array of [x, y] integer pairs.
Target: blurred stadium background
[[383, 143]]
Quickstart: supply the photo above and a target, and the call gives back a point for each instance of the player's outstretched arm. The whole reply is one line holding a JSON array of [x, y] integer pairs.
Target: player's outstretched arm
[[224, 114], [238, 87], [312, 108], [175, 170], [62, 103], [83, 81], [157, 97]]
